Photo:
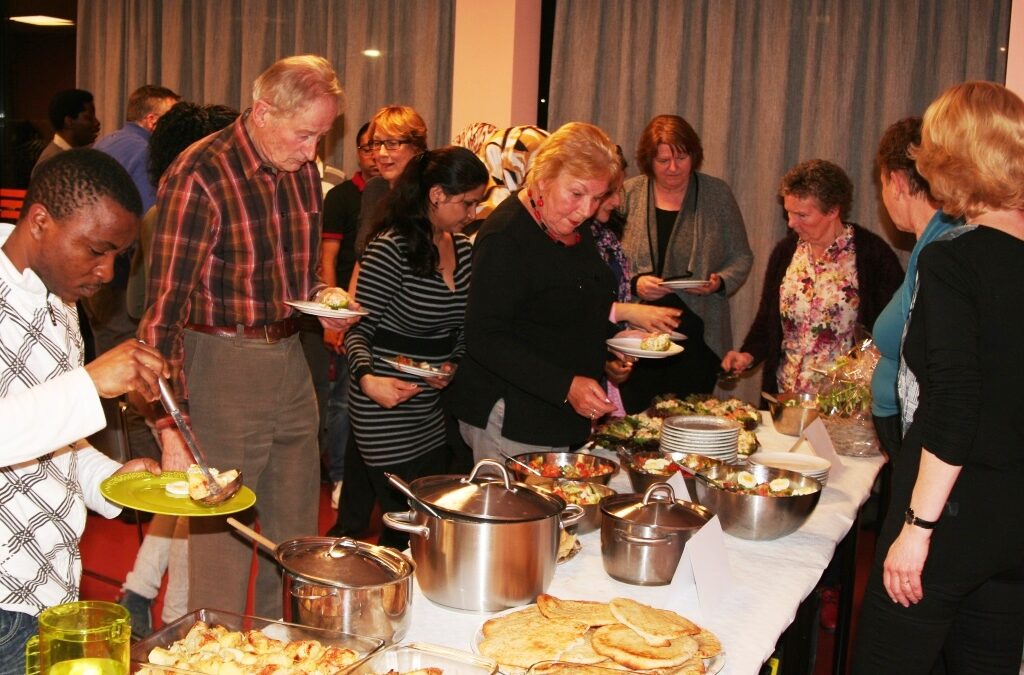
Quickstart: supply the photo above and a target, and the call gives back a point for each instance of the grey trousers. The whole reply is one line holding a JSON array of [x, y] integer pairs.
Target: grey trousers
[[253, 408]]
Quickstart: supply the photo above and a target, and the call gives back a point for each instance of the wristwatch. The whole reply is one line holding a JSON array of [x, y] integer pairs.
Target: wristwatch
[[911, 519]]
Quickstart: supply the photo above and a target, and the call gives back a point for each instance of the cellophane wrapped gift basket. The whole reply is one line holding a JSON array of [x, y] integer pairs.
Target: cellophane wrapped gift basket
[[844, 400]]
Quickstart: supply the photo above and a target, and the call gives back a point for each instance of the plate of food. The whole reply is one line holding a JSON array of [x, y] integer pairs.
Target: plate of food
[[168, 495], [404, 364], [654, 346], [332, 303], [616, 635]]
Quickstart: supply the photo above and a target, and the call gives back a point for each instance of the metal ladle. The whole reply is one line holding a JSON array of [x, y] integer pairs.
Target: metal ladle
[[523, 465], [218, 493]]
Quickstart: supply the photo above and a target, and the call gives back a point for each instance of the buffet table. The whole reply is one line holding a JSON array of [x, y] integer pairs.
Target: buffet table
[[771, 578]]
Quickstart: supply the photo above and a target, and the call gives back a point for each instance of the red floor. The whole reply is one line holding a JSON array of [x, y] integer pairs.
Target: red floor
[[109, 546]]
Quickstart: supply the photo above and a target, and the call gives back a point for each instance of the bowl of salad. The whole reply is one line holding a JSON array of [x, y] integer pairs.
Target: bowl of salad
[[580, 492], [758, 502], [792, 412], [647, 468], [571, 465]]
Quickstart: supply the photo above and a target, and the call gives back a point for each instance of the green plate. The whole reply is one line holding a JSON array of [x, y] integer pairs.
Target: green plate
[[143, 491]]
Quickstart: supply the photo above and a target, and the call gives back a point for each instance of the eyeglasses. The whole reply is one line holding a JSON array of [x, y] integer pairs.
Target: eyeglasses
[[390, 144], [364, 148]]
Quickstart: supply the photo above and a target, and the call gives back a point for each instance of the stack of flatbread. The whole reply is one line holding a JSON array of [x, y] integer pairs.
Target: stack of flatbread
[[622, 634]]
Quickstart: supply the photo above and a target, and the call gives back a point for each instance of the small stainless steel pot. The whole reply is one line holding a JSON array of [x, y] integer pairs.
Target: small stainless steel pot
[[347, 585], [494, 543], [643, 536]]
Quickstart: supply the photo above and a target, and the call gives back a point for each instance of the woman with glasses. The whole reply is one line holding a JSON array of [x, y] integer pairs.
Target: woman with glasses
[[682, 225], [823, 278], [414, 281], [397, 134]]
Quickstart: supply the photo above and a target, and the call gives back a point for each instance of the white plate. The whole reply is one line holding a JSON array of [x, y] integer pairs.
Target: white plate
[[676, 336], [702, 424], [711, 666], [414, 370], [681, 284], [631, 347], [316, 309]]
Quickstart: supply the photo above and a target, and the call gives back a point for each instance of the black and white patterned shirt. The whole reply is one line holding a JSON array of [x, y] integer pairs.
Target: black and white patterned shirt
[[47, 476]]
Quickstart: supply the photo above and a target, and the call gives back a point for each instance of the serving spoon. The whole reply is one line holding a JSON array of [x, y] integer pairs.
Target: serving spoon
[[218, 493], [523, 465]]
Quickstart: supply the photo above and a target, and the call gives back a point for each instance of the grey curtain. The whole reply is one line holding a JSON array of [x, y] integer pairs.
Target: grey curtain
[[210, 51], [769, 83]]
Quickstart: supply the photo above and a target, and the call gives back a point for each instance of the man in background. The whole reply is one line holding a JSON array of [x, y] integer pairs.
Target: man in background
[[73, 116], [237, 235], [129, 145]]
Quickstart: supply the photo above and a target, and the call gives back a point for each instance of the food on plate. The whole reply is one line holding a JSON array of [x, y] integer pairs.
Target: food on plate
[[627, 647], [422, 365], [334, 298], [531, 642], [592, 613], [658, 342], [566, 543], [609, 644], [745, 482], [215, 649], [199, 488], [580, 469], [177, 488], [656, 626]]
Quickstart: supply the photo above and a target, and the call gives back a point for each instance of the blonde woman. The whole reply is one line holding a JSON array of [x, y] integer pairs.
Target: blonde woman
[[947, 590], [538, 308]]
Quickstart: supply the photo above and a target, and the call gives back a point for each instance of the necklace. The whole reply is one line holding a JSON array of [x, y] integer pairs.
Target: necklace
[[535, 210]]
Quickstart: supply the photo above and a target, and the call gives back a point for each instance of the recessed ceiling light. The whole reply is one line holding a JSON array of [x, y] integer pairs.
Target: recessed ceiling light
[[40, 20], [372, 53]]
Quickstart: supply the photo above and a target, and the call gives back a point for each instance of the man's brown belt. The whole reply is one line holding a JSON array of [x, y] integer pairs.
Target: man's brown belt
[[271, 332]]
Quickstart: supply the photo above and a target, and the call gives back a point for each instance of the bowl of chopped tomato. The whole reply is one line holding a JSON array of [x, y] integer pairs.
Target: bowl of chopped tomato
[[571, 465], [758, 502]]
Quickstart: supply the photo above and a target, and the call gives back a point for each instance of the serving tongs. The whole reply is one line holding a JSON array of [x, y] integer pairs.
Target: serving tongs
[[693, 473], [218, 493]]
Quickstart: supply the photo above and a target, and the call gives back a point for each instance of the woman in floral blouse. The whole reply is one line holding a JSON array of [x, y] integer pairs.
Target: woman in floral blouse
[[822, 279]]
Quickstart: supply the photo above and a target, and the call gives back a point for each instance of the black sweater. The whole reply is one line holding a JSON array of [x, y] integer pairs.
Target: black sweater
[[537, 316], [878, 276]]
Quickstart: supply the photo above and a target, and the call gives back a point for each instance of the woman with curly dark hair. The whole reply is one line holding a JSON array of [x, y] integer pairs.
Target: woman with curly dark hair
[[822, 279], [414, 282]]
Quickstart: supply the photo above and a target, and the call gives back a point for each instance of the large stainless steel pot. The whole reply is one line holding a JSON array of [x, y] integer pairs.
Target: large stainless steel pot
[[347, 585], [492, 544], [643, 536]]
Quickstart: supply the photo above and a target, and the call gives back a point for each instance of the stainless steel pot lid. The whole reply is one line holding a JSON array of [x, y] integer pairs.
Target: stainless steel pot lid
[[345, 563], [492, 499], [657, 507]]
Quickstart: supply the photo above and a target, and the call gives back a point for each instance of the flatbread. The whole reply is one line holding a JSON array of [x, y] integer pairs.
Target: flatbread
[[583, 652], [708, 645], [624, 646], [572, 668], [541, 641], [694, 666], [656, 626], [513, 622], [592, 613]]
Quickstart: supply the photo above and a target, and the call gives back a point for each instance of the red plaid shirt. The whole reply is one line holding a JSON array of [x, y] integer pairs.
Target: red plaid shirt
[[234, 239]]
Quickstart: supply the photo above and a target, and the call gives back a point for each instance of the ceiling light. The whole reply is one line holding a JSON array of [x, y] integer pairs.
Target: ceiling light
[[372, 53], [40, 20]]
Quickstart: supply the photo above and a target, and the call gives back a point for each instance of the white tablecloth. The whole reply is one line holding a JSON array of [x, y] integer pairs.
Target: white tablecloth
[[771, 578]]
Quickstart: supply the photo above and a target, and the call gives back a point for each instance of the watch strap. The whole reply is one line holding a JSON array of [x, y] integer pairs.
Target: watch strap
[[911, 519]]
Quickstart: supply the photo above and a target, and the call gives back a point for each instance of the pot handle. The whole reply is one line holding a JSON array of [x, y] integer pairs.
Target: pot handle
[[494, 464], [316, 596], [403, 522], [640, 541], [650, 494], [570, 515]]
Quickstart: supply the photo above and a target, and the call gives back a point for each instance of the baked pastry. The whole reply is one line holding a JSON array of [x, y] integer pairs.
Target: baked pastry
[[334, 298], [628, 648], [592, 613], [656, 626], [198, 488]]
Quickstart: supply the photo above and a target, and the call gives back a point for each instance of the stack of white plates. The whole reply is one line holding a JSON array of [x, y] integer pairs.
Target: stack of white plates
[[811, 466], [714, 437]]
